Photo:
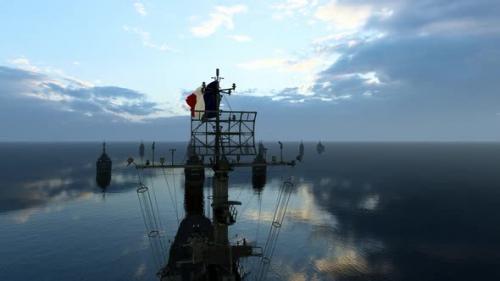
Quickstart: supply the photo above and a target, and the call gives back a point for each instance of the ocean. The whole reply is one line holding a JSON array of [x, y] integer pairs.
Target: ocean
[[358, 211]]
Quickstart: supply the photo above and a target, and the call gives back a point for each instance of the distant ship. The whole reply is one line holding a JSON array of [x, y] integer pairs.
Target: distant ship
[[320, 148], [301, 152], [141, 151], [103, 169]]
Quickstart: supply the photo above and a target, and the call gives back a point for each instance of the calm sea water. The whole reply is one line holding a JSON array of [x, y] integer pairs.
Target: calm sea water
[[359, 211]]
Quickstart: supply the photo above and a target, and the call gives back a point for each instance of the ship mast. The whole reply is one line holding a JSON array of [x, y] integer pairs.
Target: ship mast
[[220, 193], [221, 135]]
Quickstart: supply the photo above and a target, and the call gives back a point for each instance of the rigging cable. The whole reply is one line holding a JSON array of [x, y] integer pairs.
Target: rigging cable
[[246, 207], [239, 194], [206, 186], [151, 223], [175, 194], [227, 101], [171, 197], [161, 224], [142, 207], [274, 231]]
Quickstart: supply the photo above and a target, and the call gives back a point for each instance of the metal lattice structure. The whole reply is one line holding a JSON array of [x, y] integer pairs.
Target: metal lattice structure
[[219, 135], [237, 133]]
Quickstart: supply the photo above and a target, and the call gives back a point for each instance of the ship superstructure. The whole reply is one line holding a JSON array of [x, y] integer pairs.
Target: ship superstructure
[[219, 139]]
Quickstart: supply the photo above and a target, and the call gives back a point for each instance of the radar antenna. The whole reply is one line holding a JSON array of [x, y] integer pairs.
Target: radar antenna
[[222, 137]]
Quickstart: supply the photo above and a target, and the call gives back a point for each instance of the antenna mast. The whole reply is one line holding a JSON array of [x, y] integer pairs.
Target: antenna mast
[[219, 134]]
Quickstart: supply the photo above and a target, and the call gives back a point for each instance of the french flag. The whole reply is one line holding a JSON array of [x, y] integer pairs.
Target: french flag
[[204, 101], [196, 102]]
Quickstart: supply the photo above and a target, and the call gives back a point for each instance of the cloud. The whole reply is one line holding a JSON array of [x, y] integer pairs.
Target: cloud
[[291, 5], [140, 9], [240, 38], [147, 41], [303, 69], [282, 64], [408, 70], [24, 63], [49, 106], [404, 48], [222, 16], [67, 94], [343, 16], [389, 68], [449, 18], [290, 8]]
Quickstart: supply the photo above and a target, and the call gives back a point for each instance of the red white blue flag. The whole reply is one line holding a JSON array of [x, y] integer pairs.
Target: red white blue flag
[[196, 102], [204, 101]]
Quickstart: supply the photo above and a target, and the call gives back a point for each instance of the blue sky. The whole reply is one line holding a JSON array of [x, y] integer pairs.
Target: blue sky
[[333, 70]]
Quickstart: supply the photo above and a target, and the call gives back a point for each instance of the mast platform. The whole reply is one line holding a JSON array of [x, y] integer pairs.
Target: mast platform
[[210, 166], [202, 249]]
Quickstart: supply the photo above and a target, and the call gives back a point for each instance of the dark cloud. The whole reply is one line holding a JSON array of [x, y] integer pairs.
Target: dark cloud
[[35, 106], [428, 72], [14, 80], [8, 74], [440, 16], [429, 67], [441, 44], [72, 95], [137, 108], [116, 92]]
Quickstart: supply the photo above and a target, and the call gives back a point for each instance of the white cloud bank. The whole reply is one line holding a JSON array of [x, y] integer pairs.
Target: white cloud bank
[[221, 16], [140, 8], [146, 40], [62, 92]]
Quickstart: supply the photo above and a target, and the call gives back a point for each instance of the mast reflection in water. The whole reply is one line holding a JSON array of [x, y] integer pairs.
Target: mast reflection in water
[[360, 211], [194, 225]]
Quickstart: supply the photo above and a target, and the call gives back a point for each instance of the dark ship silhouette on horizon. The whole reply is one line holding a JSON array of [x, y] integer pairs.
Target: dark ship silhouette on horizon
[[320, 148], [103, 169]]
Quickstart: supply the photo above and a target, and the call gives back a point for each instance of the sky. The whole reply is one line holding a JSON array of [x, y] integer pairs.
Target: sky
[[329, 70]]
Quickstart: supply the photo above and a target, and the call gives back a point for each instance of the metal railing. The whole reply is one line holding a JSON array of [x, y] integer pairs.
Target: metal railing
[[237, 132]]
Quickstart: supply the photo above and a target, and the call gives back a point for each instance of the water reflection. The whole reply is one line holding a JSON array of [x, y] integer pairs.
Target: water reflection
[[422, 216], [358, 212], [195, 225], [46, 179]]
